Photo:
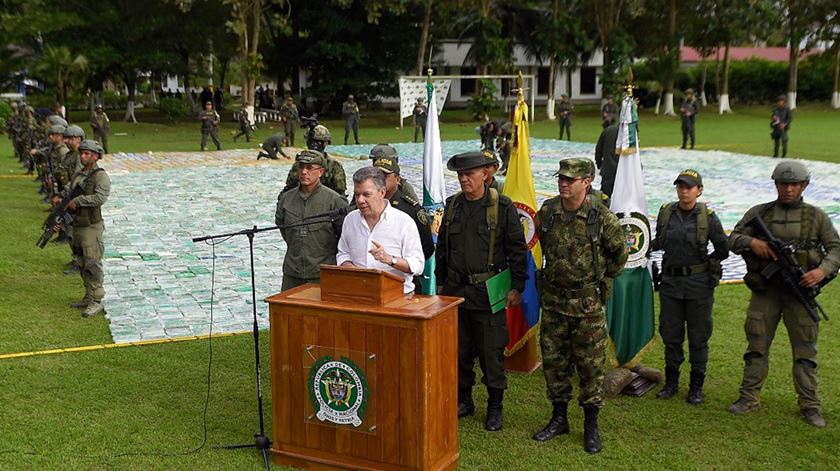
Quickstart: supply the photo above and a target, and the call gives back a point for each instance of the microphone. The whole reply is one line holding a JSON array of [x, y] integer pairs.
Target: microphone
[[330, 214]]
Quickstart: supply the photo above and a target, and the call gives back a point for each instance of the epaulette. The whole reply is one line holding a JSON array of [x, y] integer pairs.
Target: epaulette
[[411, 201]]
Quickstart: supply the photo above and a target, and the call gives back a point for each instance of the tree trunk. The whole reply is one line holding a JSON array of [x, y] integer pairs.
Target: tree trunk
[[424, 38], [703, 73], [835, 95], [552, 82], [793, 61], [131, 85], [723, 106], [717, 74], [569, 70], [672, 49]]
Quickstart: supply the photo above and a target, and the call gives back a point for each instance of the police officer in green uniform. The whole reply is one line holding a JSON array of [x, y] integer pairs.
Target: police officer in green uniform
[[334, 177], [350, 113], [606, 157], [688, 117], [388, 151], [817, 248], [689, 276], [398, 199], [780, 121], [308, 246], [564, 117], [88, 226], [291, 120], [210, 126], [72, 163], [480, 237], [271, 145], [584, 249], [50, 156], [101, 126]]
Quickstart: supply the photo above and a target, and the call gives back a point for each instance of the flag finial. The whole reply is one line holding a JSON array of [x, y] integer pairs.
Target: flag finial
[[629, 87], [520, 89]]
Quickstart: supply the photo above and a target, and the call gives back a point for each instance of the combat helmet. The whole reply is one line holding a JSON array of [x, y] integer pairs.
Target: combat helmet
[[74, 131], [91, 146], [55, 119], [791, 171], [320, 133]]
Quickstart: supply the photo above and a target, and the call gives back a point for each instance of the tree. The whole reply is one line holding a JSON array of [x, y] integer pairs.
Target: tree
[[482, 26], [246, 21], [802, 21], [613, 40], [57, 64]]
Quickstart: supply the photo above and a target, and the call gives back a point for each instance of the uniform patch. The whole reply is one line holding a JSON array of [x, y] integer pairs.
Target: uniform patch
[[338, 390], [637, 239]]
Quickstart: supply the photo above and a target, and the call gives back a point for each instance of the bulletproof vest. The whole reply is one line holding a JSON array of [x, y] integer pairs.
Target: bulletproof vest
[[86, 215], [702, 225], [491, 216]]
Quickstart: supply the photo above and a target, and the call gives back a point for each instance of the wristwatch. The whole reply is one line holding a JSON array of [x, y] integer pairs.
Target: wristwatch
[[393, 261]]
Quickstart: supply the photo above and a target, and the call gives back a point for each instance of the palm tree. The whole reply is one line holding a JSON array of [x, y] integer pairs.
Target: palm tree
[[59, 64]]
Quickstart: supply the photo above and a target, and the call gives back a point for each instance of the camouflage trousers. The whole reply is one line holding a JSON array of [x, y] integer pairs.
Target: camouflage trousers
[[574, 343], [214, 135], [765, 311], [88, 241]]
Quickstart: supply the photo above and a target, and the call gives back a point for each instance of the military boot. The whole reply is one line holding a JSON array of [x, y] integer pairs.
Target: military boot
[[744, 405], [93, 309], [466, 406], [813, 417], [558, 425], [695, 388], [83, 303], [672, 379], [591, 438], [493, 422]]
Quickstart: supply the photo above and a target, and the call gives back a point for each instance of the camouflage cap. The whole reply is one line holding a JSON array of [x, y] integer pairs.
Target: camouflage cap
[[575, 168], [383, 150], [791, 171], [54, 119], [74, 131], [321, 133], [311, 157], [387, 165], [57, 129], [689, 177], [466, 161], [91, 146]]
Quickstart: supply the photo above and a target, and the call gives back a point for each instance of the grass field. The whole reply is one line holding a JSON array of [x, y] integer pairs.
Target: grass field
[[82, 410]]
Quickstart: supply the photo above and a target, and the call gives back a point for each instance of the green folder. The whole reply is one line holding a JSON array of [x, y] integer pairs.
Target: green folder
[[498, 288]]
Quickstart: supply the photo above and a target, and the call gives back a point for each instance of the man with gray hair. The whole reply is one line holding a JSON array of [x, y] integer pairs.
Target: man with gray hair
[[377, 235]]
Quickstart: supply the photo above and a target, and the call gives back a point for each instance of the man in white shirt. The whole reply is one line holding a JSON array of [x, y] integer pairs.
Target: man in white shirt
[[377, 235]]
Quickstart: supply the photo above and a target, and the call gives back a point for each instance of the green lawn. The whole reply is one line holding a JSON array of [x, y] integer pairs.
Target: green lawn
[[81, 410], [813, 134]]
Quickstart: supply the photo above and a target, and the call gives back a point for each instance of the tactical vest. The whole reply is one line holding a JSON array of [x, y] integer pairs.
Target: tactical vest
[[702, 225], [84, 216], [491, 216]]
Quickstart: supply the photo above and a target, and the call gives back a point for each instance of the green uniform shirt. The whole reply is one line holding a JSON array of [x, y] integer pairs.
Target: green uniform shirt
[[99, 122], [95, 199], [568, 252], [785, 222], [464, 244], [209, 120], [311, 245]]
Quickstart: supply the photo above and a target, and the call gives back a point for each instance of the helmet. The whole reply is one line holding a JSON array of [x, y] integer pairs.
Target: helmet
[[320, 133], [57, 129], [791, 171], [383, 150], [74, 131], [54, 119], [91, 146]]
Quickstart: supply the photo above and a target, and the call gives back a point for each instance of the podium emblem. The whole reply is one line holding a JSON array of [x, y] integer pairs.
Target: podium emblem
[[338, 391]]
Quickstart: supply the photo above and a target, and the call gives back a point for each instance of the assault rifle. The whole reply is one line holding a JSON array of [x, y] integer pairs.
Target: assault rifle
[[58, 217], [788, 269]]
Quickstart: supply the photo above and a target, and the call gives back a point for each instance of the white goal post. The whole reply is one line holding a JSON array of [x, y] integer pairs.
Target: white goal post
[[407, 100]]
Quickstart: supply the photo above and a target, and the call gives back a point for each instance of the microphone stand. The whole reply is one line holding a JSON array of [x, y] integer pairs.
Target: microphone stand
[[261, 441]]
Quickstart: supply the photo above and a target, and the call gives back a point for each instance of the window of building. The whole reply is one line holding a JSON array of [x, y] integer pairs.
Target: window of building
[[587, 80], [542, 80]]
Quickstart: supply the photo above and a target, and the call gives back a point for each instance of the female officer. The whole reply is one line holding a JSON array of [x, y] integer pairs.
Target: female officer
[[689, 276]]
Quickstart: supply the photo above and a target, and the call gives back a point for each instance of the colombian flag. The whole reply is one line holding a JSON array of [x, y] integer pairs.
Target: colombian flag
[[522, 320]]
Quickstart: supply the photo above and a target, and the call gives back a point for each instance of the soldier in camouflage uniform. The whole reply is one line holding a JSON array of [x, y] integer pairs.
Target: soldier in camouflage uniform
[[12, 129], [70, 165], [481, 236], [308, 246], [564, 116], [49, 157], [817, 249], [690, 274], [210, 126], [334, 177], [350, 113], [291, 120], [245, 126], [584, 249], [688, 117], [271, 145], [101, 126], [29, 137], [492, 168], [780, 124], [88, 226]]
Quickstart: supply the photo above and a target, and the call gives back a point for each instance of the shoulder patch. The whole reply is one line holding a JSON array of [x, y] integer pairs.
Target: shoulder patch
[[423, 216]]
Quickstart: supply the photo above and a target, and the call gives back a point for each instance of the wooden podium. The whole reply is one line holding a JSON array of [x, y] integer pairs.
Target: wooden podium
[[363, 377]]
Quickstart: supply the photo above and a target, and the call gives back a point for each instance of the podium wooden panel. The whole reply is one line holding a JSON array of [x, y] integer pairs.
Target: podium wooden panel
[[414, 340]]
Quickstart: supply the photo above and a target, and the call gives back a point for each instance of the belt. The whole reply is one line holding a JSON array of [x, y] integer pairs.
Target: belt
[[685, 270], [472, 279], [585, 292]]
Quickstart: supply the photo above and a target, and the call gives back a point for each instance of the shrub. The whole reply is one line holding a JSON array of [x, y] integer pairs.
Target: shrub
[[174, 109], [484, 103]]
